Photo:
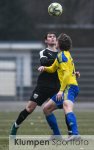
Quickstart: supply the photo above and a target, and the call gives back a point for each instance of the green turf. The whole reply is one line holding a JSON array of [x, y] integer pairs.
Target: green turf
[[36, 124]]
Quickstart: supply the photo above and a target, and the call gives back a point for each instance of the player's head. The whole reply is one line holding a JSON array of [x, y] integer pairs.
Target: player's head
[[50, 38], [64, 42]]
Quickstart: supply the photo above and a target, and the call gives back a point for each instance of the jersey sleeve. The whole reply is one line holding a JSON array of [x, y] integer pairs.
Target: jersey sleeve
[[53, 67], [44, 61]]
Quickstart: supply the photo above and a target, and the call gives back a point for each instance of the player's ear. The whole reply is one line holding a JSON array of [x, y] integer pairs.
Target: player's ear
[[45, 41]]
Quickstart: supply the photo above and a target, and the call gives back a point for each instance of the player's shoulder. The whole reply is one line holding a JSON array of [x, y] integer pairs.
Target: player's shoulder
[[61, 57], [41, 51], [48, 52], [44, 51]]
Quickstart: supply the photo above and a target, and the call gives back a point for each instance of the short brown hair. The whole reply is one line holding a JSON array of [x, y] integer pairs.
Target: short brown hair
[[64, 42], [51, 32]]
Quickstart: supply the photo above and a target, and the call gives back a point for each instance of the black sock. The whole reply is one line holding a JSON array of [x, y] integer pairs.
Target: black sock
[[22, 116]]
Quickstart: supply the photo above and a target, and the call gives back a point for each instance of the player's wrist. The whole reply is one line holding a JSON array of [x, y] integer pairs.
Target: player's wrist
[[61, 91], [45, 68]]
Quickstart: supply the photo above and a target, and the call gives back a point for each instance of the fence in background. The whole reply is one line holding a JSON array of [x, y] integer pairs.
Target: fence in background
[[18, 71]]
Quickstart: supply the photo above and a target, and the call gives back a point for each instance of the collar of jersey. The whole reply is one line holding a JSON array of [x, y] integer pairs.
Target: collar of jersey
[[51, 50]]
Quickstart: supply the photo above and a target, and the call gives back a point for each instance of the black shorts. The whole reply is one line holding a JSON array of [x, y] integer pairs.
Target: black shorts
[[41, 94]]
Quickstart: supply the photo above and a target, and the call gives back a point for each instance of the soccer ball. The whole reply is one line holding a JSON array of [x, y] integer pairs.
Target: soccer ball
[[55, 9]]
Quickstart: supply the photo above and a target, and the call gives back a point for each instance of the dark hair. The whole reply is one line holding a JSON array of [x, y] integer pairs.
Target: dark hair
[[64, 42], [51, 32]]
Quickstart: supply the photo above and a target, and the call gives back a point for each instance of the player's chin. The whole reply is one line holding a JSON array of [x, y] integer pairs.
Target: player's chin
[[53, 43]]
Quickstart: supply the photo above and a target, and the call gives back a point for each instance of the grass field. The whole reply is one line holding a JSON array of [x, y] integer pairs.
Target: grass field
[[36, 124]]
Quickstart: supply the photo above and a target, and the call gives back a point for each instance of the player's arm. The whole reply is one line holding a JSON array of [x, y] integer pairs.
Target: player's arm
[[50, 69], [65, 80], [66, 76], [44, 61], [63, 85]]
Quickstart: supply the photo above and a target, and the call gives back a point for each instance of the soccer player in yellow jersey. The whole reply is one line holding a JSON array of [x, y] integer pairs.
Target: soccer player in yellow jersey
[[69, 89]]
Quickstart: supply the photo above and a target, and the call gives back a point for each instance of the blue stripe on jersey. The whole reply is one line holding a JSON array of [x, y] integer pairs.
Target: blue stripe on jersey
[[62, 58]]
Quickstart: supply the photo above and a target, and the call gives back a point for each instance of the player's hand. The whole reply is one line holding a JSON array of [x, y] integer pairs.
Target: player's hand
[[77, 73], [59, 96], [41, 68]]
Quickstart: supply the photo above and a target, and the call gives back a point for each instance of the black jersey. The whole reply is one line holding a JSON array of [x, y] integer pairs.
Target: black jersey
[[45, 79]]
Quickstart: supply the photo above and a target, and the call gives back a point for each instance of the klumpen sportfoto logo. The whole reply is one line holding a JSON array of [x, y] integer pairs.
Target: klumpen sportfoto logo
[[47, 142]]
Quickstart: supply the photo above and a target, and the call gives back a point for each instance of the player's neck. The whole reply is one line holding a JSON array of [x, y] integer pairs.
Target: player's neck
[[52, 48]]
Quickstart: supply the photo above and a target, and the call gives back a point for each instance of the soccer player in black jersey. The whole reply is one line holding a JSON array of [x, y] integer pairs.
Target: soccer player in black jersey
[[47, 84]]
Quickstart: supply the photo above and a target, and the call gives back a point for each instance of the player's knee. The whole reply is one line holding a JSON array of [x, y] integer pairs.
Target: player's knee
[[30, 107], [46, 110], [67, 106]]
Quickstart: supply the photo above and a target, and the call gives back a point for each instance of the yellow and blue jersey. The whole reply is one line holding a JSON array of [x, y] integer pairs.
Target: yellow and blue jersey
[[65, 68]]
